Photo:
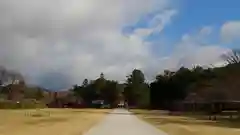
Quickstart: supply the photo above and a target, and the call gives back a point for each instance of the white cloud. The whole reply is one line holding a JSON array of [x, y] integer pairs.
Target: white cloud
[[192, 50], [195, 54], [157, 23], [200, 36], [60, 42], [205, 31], [230, 31], [162, 19]]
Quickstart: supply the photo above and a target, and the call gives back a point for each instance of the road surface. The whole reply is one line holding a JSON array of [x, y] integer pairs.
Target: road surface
[[122, 122]]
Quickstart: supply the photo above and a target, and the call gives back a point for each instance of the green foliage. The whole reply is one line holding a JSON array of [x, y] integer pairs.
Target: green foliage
[[137, 91], [33, 93], [85, 83], [39, 94], [28, 104], [176, 86], [110, 92], [87, 93], [100, 88]]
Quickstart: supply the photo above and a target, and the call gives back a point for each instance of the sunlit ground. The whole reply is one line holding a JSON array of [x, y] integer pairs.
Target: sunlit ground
[[49, 121], [189, 125]]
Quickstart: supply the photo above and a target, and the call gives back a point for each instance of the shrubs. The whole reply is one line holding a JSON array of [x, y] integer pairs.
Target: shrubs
[[7, 104], [24, 104]]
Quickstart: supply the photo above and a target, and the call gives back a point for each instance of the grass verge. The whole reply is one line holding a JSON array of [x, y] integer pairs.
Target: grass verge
[[49, 121], [188, 125]]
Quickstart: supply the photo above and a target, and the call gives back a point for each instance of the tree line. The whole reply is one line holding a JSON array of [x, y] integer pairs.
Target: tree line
[[198, 83], [135, 91], [169, 87]]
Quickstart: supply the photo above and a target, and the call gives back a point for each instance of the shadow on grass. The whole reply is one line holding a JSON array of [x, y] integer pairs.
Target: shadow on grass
[[164, 118]]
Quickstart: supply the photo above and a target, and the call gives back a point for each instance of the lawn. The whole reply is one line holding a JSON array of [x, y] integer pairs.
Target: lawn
[[188, 125], [49, 121]]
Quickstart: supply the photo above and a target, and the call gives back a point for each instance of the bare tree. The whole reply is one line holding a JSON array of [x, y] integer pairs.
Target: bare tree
[[13, 83], [10, 77], [15, 77], [3, 73], [232, 57]]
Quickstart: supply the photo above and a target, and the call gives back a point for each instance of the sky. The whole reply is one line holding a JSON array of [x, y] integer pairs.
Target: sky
[[58, 43]]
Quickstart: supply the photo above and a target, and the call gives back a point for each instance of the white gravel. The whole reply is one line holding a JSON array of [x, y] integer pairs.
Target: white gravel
[[122, 122]]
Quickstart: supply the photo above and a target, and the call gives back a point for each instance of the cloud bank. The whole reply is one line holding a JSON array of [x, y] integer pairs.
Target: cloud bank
[[58, 43]]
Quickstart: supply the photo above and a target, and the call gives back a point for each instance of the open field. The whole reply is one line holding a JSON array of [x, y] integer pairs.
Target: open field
[[188, 125], [49, 121]]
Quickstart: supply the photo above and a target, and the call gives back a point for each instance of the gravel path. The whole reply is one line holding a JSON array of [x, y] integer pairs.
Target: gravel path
[[122, 122]]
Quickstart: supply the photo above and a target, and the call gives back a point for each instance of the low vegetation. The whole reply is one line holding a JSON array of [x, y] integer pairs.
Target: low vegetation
[[24, 104]]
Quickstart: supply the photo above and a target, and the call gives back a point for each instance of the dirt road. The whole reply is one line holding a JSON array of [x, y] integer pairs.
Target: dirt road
[[123, 122]]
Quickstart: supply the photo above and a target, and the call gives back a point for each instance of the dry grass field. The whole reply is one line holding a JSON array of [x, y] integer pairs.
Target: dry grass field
[[49, 121], [188, 125]]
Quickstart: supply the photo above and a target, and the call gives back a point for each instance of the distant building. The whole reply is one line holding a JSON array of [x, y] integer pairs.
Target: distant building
[[98, 102]]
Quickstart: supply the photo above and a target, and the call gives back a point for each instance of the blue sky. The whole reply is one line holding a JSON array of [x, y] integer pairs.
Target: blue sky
[[192, 16]]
